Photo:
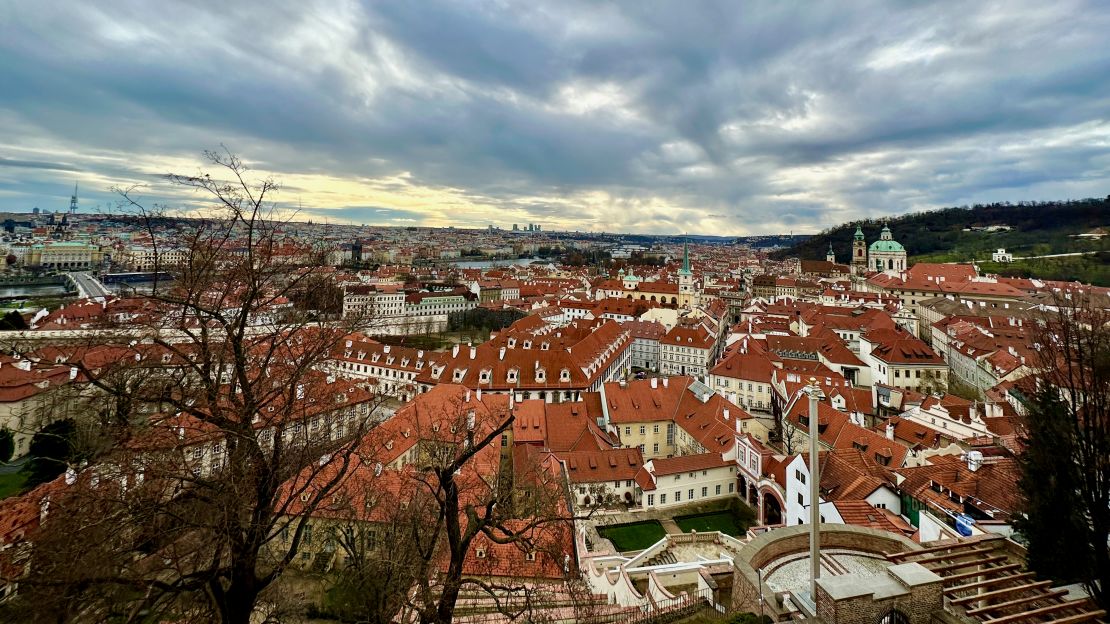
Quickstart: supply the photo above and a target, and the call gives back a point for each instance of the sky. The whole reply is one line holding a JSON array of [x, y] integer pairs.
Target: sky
[[730, 118]]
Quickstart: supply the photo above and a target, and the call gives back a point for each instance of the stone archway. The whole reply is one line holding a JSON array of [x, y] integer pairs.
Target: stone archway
[[771, 508]]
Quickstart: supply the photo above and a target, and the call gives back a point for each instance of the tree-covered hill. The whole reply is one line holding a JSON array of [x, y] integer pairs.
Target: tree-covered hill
[[1038, 228]]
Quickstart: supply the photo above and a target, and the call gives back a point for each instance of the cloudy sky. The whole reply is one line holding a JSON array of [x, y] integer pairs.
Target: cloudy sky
[[659, 117]]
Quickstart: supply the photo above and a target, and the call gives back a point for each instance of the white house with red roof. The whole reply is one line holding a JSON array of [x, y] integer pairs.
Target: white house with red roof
[[900, 359], [671, 481], [687, 350]]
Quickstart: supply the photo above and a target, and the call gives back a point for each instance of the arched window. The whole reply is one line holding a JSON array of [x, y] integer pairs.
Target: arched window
[[894, 616]]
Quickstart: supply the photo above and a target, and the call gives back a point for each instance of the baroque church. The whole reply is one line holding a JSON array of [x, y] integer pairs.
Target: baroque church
[[885, 255]]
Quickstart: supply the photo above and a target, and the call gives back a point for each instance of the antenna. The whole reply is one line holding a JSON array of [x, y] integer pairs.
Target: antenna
[[73, 200]]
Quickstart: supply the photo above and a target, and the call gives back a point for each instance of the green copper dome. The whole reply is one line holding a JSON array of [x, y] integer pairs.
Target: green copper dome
[[886, 245], [859, 233]]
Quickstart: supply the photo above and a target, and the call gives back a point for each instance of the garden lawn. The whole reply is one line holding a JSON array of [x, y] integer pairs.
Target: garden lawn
[[724, 521], [634, 536], [11, 484]]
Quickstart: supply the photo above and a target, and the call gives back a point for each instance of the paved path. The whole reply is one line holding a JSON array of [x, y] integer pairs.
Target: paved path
[[1059, 255], [13, 467], [670, 527]]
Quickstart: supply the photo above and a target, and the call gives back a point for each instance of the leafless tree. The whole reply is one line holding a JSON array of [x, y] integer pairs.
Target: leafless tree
[[221, 411], [479, 518], [1065, 463]]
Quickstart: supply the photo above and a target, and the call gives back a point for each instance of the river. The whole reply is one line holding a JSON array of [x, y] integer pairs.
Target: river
[[486, 264]]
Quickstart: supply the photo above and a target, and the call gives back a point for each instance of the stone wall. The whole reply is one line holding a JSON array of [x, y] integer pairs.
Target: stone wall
[[778, 543]]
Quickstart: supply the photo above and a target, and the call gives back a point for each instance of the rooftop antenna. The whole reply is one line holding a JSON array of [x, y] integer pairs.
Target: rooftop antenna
[[73, 200]]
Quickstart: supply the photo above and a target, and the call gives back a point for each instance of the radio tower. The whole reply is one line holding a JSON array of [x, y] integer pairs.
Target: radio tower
[[73, 200]]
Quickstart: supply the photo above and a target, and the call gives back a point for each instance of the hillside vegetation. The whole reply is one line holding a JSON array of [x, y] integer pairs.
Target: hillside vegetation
[[1039, 228]]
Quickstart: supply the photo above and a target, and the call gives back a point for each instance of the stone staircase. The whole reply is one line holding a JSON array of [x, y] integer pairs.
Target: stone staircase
[[663, 558], [543, 604]]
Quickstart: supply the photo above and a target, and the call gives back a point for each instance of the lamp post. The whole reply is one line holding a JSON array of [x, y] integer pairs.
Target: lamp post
[[813, 391]]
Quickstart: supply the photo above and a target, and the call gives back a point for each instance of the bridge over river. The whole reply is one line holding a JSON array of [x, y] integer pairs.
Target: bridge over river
[[88, 287]]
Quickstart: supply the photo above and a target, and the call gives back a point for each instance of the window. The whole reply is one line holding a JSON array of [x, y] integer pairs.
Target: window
[[800, 476], [731, 487], [677, 495], [642, 430], [704, 492], [628, 483], [718, 492], [628, 431], [642, 449], [690, 494], [616, 484], [662, 499], [800, 501], [530, 556], [651, 500], [480, 553], [655, 429], [654, 447]]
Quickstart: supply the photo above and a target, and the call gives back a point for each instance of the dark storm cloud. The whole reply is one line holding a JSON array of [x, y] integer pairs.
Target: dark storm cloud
[[650, 116]]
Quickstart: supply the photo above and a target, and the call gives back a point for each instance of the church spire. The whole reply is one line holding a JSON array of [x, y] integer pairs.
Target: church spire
[[73, 200], [686, 257]]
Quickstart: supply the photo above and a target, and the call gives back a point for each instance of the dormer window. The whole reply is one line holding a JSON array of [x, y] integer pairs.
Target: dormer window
[[484, 376], [480, 553], [564, 375], [459, 372], [512, 375], [541, 375]]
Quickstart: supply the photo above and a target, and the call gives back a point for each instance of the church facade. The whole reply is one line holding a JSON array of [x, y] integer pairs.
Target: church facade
[[885, 255]]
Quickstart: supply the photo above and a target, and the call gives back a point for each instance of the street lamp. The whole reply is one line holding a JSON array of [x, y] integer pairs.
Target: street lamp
[[813, 391]]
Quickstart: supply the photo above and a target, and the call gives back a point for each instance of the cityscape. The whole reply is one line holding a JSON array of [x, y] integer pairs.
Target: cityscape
[[555, 342]]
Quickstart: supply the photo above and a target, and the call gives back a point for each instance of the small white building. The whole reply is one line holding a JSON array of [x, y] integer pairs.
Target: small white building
[[1002, 256]]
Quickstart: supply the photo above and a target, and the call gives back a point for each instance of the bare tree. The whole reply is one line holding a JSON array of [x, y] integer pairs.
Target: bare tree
[[467, 513], [1065, 465], [183, 514]]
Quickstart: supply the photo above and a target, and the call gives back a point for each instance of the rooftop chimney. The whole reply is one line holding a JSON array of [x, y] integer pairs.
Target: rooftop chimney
[[665, 380], [974, 460], [501, 353], [654, 382], [455, 351], [473, 352], [889, 431]]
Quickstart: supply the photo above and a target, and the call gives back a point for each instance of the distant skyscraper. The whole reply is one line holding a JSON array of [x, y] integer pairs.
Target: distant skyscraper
[[516, 228], [73, 200]]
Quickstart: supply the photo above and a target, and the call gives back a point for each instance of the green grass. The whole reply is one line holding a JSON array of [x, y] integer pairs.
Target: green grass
[[728, 522], [633, 536], [11, 484]]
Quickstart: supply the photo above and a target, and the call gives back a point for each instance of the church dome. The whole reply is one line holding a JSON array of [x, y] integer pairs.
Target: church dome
[[886, 245]]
